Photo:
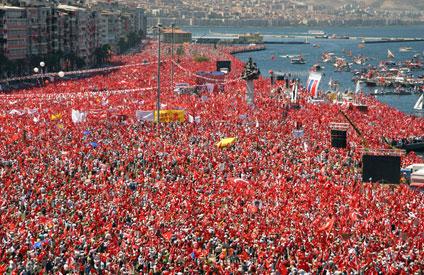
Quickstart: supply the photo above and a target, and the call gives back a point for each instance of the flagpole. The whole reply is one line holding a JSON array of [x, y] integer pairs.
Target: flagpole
[[158, 84]]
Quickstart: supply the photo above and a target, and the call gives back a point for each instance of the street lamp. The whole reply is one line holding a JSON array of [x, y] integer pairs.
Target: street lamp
[[36, 70], [172, 56], [158, 27], [42, 71]]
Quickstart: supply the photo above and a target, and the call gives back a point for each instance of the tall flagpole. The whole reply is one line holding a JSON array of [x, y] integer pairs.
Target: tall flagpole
[[158, 87]]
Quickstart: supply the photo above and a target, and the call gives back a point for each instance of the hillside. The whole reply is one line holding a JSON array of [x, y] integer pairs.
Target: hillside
[[378, 4]]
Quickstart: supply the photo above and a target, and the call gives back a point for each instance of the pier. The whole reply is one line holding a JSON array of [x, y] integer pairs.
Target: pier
[[393, 40], [248, 49]]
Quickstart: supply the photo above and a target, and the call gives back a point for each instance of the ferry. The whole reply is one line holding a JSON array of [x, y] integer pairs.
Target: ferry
[[316, 32], [415, 144], [405, 49], [321, 36]]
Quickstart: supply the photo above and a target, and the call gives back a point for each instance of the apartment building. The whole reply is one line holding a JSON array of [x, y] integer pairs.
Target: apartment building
[[42, 30], [13, 32], [109, 28], [77, 31], [34, 28]]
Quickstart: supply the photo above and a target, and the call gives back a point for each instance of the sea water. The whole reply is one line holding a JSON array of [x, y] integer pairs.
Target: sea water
[[274, 57]]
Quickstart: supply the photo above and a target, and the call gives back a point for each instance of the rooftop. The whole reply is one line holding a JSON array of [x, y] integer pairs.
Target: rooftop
[[10, 8], [70, 8], [169, 30]]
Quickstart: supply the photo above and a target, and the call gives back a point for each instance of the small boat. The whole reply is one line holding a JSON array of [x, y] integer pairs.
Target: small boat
[[415, 144], [323, 36], [316, 68], [420, 103], [402, 91], [377, 92], [316, 45], [390, 55], [297, 60], [405, 49], [316, 32]]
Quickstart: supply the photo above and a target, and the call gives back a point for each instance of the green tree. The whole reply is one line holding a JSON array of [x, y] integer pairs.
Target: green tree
[[102, 54], [122, 45], [180, 50]]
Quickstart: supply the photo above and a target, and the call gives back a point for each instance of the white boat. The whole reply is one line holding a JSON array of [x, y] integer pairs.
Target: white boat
[[405, 49], [316, 32], [419, 104]]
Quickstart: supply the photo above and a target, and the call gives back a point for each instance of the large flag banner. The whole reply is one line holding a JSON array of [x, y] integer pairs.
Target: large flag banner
[[313, 83], [145, 115], [171, 115], [226, 142]]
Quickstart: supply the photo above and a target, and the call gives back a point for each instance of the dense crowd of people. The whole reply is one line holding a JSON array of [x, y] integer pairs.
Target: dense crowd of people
[[114, 195]]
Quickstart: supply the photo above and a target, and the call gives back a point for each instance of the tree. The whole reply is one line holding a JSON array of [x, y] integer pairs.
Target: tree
[[102, 54], [4, 65], [180, 50], [122, 45]]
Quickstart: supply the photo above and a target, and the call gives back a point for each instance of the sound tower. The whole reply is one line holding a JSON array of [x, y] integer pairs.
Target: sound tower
[[381, 168], [338, 138], [339, 134]]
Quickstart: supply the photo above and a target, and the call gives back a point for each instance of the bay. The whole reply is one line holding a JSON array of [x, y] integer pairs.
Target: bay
[[274, 57]]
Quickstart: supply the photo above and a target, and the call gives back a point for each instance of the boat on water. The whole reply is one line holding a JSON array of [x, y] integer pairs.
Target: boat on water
[[323, 36], [405, 49], [316, 68], [420, 103], [390, 55], [341, 65], [334, 36], [402, 91], [297, 60], [327, 57], [359, 60], [316, 32], [415, 144]]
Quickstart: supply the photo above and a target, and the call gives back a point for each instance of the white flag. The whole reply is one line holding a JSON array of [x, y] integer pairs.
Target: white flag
[[78, 116], [210, 87], [294, 93], [192, 119], [17, 112], [144, 115]]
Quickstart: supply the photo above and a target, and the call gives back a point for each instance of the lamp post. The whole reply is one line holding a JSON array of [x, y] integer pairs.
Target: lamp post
[[159, 26], [36, 70], [172, 56], [42, 71]]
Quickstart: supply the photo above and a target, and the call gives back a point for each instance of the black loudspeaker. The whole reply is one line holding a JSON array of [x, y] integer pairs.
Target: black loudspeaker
[[223, 64], [338, 138], [382, 169]]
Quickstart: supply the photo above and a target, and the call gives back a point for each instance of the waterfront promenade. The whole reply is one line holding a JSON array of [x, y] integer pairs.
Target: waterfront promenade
[[116, 195]]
